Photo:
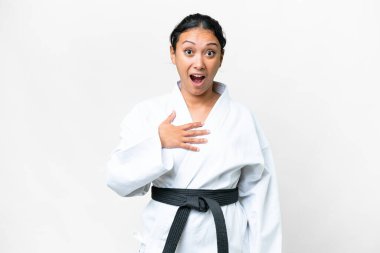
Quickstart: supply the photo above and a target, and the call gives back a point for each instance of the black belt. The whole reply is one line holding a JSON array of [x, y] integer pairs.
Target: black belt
[[200, 200]]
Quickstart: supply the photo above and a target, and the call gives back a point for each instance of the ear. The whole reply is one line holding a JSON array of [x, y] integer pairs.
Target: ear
[[172, 54]]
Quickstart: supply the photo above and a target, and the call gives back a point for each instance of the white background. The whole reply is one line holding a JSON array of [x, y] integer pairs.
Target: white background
[[71, 70]]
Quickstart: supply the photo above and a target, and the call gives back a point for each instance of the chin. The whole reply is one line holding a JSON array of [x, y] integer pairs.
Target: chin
[[196, 89]]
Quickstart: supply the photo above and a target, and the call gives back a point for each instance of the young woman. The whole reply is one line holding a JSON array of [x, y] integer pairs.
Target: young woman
[[211, 167]]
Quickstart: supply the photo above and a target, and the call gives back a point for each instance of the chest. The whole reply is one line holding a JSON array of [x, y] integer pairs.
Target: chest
[[199, 114]]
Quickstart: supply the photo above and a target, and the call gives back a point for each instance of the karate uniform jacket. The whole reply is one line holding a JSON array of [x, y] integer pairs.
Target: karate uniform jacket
[[237, 155]]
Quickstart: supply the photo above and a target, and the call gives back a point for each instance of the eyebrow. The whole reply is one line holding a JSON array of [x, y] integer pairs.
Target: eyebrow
[[188, 41], [208, 44]]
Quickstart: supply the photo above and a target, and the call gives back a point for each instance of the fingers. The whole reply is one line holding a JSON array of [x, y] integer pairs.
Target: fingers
[[181, 136], [193, 133], [191, 125], [189, 147], [170, 118], [194, 140]]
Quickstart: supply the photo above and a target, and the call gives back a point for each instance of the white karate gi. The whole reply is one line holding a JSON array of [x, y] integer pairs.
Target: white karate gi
[[237, 155]]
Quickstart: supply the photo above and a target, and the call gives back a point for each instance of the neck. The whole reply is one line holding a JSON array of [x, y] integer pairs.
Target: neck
[[194, 101]]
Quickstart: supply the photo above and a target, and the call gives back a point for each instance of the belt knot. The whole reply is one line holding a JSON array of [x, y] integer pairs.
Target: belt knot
[[196, 202], [200, 200]]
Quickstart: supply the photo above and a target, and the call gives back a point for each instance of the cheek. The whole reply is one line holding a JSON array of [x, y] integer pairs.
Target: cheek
[[215, 66], [182, 63], [182, 69]]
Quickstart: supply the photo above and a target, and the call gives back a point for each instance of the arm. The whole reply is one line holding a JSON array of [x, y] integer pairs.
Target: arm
[[260, 200], [139, 158]]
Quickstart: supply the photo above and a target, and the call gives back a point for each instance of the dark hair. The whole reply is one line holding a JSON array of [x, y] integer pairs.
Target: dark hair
[[198, 20]]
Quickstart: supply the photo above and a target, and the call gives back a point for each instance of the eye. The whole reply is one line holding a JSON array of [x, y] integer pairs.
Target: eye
[[188, 51], [210, 53]]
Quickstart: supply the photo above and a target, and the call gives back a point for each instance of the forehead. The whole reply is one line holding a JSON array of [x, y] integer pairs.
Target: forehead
[[198, 36]]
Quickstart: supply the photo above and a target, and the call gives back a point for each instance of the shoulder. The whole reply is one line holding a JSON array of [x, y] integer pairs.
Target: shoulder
[[239, 107], [235, 105], [244, 111], [264, 143], [247, 113], [151, 104], [145, 108]]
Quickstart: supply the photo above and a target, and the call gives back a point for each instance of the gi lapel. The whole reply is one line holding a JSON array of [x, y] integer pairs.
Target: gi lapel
[[193, 161], [183, 115]]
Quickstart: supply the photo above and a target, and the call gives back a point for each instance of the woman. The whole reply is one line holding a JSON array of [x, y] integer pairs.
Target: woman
[[214, 185]]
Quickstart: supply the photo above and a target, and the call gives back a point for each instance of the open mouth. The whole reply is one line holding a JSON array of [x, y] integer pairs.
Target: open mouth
[[197, 78]]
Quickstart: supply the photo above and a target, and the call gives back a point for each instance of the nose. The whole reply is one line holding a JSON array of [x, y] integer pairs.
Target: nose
[[199, 63]]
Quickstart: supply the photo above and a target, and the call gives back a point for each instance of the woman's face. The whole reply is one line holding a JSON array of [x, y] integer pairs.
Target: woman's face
[[198, 57]]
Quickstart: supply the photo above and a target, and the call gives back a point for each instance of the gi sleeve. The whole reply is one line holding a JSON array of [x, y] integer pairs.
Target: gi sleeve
[[139, 158], [260, 200]]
